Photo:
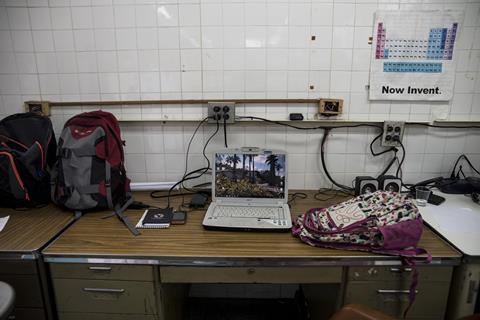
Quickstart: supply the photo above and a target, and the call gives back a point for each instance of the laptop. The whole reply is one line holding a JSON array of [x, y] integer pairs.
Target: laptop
[[249, 191]]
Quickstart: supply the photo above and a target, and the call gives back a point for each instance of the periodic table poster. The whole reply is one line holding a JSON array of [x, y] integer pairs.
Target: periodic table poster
[[413, 56]]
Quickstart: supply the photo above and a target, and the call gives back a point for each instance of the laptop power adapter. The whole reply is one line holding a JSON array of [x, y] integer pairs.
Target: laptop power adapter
[[198, 200]]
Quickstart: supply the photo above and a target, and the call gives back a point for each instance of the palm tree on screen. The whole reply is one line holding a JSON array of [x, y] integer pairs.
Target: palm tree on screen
[[243, 163], [218, 161], [272, 160], [234, 160]]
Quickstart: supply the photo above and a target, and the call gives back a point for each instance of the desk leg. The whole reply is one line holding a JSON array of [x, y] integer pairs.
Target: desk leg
[[323, 299], [47, 290], [464, 290], [172, 302]]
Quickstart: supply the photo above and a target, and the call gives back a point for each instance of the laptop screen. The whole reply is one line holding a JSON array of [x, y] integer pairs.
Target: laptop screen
[[245, 175]]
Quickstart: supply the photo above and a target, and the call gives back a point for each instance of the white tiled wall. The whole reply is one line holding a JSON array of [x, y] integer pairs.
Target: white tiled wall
[[79, 50]]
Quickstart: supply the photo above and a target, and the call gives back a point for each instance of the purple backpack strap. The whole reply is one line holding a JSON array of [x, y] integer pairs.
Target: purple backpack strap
[[413, 285], [409, 261]]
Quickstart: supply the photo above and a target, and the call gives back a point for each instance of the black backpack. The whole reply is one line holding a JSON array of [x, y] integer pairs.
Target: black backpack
[[27, 152]]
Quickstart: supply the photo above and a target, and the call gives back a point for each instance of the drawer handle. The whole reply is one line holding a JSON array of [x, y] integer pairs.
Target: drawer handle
[[399, 270], [100, 269], [103, 290], [386, 291], [471, 291]]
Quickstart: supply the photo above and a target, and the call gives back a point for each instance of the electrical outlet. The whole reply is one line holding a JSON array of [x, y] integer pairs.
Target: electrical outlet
[[330, 107], [392, 133], [40, 107], [221, 112]]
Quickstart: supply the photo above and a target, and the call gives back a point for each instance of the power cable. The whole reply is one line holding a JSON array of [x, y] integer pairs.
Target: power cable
[[381, 152], [225, 132], [191, 175], [330, 194], [440, 126], [399, 168], [189, 144], [322, 156], [311, 128], [468, 161]]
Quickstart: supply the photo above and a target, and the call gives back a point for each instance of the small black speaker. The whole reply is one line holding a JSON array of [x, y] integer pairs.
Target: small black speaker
[[365, 184], [390, 183]]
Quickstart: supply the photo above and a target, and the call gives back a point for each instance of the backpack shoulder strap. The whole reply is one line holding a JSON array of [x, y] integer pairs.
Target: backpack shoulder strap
[[120, 213]]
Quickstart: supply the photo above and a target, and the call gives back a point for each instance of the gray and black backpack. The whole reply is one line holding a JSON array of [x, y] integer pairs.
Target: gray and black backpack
[[90, 171]]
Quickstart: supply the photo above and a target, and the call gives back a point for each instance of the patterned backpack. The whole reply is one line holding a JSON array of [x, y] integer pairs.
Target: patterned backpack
[[90, 172], [381, 222]]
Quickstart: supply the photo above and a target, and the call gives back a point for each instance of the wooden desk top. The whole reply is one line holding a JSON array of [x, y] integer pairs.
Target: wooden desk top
[[27, 231], [97, 240]]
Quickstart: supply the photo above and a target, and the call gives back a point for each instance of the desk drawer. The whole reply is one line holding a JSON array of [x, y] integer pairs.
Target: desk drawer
[[27, 289], [399, 273], [250, 275], [392, 298], [101, 271], [104, 296], [103, 316]]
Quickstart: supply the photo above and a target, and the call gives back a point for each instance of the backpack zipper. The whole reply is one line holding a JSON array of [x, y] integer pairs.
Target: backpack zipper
[[339, 231], [15, 141], [42, 154], [17, 175]]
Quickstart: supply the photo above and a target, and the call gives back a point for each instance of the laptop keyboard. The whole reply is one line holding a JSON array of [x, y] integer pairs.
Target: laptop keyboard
[[248, 212]]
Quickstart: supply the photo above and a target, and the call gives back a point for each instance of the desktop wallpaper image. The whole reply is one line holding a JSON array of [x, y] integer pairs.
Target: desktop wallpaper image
[[250, 175]]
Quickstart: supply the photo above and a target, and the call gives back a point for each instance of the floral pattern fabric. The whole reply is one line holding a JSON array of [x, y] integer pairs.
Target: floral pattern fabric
[[357, 221]]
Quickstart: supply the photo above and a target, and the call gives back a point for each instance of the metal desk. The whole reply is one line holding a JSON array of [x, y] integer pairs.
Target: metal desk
[[188, 253], [27, 232]]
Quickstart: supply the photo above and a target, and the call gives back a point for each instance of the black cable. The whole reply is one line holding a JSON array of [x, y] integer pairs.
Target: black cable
[[153, 195], [189, 176], [203, 184], [189, 144], [357, 125], [312, 128], [326, 130], [205, 169], [297, 195], [390, 164], [460, 170], [225, 132], [322, 157], [441, 126], [206, 144], [185, 178], [463, 156], [391, 149], [382, 152], [329, 195], [401, 161]]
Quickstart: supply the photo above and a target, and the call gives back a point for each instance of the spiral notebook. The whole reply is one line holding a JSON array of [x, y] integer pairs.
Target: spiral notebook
[[155, 219]]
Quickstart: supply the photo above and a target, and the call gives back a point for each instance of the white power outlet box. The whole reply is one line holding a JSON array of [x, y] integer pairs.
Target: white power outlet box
[[221, 112], [392, 133]]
